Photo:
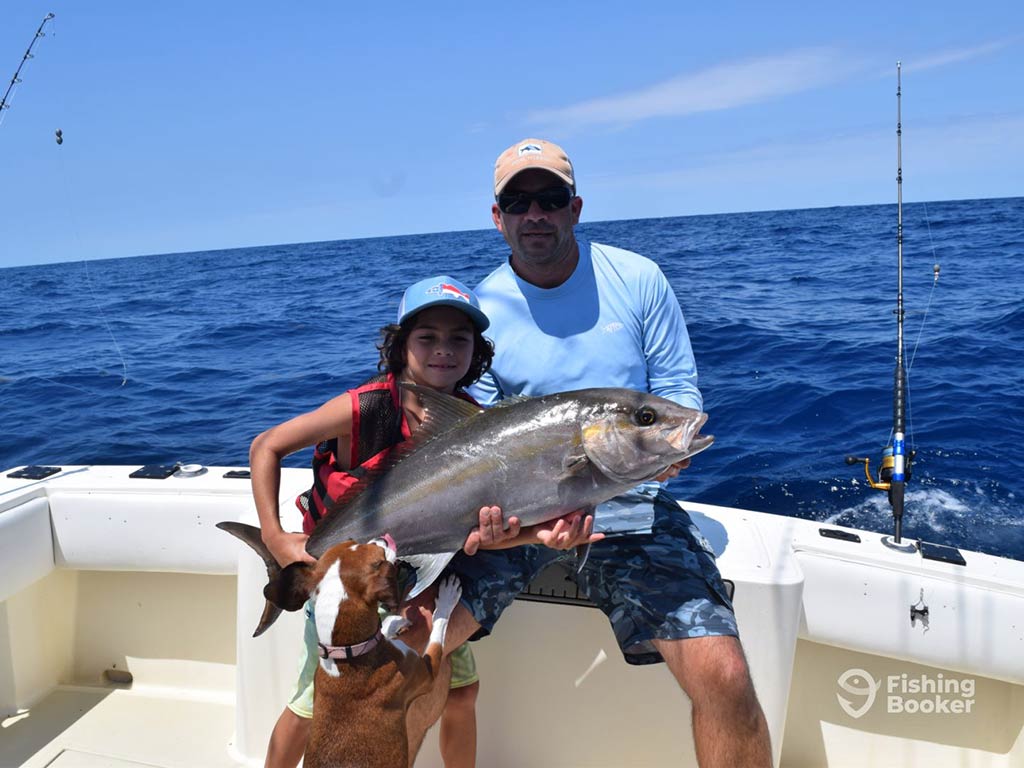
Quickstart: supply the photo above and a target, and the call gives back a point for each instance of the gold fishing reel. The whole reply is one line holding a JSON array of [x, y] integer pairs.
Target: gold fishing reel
[[884, 481]]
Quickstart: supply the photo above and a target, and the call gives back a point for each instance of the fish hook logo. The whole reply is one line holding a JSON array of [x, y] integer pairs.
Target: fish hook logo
[[859, 683]]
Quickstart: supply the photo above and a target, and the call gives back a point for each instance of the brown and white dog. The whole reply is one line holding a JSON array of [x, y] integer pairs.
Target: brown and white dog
[[365, 682]]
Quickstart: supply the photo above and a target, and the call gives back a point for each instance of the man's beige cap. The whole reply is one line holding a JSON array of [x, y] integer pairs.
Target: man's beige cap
[[532, 153]]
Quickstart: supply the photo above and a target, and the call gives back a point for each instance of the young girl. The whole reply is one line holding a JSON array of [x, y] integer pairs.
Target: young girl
[[436, 343]]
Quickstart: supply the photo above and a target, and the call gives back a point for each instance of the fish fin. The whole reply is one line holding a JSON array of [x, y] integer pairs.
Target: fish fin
[[583, 550], [428, 569], [576, 464], [505, 402], [582, 553], [270, 614], [442, 413], [250, 534]]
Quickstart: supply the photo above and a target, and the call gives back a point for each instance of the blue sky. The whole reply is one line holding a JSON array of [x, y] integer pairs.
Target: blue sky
[[203, 125]]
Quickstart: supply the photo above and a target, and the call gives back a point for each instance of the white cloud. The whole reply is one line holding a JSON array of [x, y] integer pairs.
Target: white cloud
[[955, 56], [736, 84], [720, 87]]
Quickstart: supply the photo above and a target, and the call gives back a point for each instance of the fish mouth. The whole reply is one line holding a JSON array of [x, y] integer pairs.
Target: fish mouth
[[684, 436], [698, 444]]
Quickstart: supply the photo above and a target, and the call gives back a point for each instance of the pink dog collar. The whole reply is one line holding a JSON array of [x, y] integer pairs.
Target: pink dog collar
[[350, 651]]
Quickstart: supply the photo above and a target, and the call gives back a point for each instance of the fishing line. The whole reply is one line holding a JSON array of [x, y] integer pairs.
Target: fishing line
[[103, 317], [913, 355], [5, 104], [920, 330], [69, 202], [73, 220], [69, 215], [935, 281]]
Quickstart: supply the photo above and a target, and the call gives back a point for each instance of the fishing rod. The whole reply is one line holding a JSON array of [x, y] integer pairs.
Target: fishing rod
[[17, 74], [894, 472]]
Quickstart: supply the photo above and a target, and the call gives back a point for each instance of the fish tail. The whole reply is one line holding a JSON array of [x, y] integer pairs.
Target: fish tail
[[250, 534]]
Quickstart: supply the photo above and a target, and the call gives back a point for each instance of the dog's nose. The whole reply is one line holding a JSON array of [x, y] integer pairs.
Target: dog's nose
[[386, 543]]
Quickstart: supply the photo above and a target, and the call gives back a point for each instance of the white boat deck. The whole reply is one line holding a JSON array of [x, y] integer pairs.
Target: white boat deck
[[92, 727], [104, 573]]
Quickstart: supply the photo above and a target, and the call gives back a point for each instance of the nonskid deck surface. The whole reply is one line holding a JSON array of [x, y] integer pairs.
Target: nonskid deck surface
[[81, 727]]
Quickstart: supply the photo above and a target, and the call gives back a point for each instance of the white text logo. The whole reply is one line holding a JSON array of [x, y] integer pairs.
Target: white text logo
[[907, 694]]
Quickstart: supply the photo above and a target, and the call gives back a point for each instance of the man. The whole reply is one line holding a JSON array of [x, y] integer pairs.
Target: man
[[568, 314]]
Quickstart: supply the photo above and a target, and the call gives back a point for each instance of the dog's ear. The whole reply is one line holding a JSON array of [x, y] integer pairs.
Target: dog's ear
[[290, 590]]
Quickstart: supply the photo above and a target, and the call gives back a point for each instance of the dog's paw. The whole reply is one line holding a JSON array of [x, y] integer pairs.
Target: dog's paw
[[448, 594], [392, 625]]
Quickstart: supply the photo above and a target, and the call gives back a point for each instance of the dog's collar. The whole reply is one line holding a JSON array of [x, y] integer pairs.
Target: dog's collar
[[350, 651]]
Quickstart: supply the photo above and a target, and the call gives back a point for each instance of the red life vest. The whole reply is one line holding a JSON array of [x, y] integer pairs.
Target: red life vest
[[378, 425]]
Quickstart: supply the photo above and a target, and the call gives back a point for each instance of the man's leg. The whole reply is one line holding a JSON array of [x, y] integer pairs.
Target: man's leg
[[288, 740], [729, 728], [666, 601]]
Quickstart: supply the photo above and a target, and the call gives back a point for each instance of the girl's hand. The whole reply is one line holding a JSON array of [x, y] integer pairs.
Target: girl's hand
[[288, 548]]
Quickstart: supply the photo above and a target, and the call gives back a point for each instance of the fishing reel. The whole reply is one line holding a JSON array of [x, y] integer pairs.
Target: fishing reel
[[884, 481], [895, 485]]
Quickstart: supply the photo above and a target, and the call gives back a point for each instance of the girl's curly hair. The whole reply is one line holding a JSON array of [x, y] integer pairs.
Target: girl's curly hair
[[392, 352]]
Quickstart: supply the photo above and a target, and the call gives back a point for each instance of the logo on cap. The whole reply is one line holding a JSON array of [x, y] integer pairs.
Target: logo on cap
[[448, 291], [530, 149]]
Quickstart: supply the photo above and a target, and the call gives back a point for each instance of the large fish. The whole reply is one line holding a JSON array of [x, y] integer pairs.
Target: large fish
[[537, 458]]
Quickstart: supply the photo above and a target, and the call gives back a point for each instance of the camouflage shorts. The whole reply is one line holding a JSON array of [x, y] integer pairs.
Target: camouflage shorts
[[660, 585]]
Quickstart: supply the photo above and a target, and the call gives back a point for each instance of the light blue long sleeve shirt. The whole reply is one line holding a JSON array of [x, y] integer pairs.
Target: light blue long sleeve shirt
[[614, 323]]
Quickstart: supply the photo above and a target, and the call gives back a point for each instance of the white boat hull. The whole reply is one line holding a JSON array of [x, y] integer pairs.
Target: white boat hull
[[105, 575]]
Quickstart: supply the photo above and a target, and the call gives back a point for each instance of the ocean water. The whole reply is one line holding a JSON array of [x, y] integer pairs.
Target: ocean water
[[187, 357]]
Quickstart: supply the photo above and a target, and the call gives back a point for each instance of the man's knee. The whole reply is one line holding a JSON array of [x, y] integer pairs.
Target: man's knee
[[730, 670], [710, 668]]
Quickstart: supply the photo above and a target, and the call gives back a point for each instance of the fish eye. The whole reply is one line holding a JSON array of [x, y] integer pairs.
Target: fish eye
[[646, 416]]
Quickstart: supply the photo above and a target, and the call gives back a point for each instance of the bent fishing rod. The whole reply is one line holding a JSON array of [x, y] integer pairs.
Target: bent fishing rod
[[4, 102], [894, 472]]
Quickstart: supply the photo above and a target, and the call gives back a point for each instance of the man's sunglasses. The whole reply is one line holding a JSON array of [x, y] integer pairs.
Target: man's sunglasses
[[518, 203]]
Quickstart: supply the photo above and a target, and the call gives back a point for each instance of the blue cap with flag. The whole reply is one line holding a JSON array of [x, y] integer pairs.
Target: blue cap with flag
[[441, 291]]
